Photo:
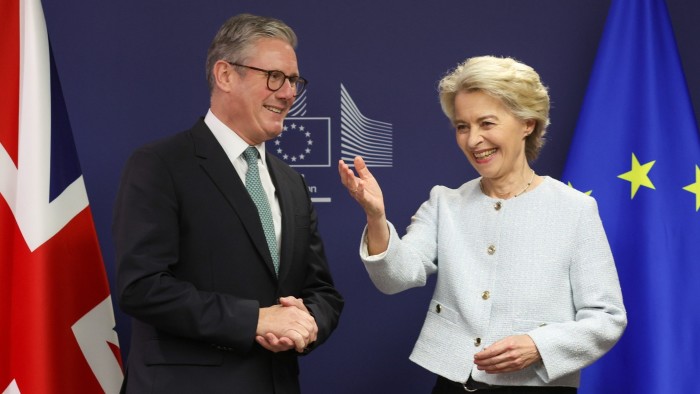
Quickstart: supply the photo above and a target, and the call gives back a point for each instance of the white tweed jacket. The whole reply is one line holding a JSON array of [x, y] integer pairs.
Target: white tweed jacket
[[538, 264]]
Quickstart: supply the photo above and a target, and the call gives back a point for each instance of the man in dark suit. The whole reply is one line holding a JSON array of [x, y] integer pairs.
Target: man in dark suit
[[226, 286]]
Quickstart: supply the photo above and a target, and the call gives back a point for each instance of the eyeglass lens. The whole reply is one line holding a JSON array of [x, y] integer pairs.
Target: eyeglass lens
[[275, 80]]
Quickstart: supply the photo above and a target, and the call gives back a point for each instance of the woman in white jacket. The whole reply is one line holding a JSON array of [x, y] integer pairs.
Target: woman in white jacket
[[527, 293]]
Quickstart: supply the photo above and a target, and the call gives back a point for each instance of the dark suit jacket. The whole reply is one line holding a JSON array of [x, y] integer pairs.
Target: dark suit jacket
[[194, 267]]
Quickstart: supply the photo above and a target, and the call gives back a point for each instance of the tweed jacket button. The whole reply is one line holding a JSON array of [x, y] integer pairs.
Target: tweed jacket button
[[438, 308], [485, 295], [491, 249], [497, 206], [477, 341]]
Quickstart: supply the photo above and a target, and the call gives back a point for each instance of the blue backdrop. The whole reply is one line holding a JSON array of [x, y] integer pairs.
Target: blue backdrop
[[133, 71]]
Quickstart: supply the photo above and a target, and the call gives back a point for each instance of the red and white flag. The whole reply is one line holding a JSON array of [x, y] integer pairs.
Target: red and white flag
[[56, 318]]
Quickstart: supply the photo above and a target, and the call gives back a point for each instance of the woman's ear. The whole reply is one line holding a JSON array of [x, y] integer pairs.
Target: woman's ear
[[529, 126]]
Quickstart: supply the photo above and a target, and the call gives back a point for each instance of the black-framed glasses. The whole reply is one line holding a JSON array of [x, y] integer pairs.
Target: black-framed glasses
[[275, 79]]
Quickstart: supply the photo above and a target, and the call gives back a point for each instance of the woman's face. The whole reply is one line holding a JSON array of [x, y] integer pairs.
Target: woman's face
[[490, 136]]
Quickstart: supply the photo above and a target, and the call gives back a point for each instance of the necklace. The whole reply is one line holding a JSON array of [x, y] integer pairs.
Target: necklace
[[532, 178]]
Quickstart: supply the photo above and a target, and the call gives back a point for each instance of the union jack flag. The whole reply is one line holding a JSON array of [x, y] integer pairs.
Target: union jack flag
[[56, 318]]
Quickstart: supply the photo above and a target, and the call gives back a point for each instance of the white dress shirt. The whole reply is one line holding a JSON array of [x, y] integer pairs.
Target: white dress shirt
[[234, 146]]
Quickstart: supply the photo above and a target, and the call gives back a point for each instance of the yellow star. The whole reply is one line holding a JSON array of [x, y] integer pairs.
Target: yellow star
[[695, 188], [588, 193], [638, 175]]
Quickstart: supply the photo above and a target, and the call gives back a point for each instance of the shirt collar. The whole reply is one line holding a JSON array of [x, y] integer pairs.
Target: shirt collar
[[232, 143]]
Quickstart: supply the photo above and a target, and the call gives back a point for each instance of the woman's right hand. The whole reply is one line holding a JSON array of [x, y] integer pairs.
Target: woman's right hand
[[366, 191], [363, 188]]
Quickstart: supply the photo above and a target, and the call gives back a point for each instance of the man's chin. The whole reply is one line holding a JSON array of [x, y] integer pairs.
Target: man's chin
[[272, 134]]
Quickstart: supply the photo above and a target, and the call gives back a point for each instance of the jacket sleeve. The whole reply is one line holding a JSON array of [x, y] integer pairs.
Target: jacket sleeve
[[146, 232], [320, 296], [600, 316], [408, 261]]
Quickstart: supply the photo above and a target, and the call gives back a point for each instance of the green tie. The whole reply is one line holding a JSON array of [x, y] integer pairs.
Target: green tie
[[257, 193]]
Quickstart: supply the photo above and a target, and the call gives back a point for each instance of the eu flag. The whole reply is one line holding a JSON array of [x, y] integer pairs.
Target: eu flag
[[636, 149], [304, 142]]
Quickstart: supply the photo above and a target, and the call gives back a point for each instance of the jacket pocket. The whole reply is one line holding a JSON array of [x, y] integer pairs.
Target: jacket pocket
[[438, 309], [523, 326]]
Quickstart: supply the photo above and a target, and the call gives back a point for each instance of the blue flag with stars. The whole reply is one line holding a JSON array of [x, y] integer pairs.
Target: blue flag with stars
[[304, 142], [636, 149]]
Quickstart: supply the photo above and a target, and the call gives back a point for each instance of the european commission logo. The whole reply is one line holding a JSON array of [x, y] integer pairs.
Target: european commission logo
[[304, 142], [361, 136], [307, 142]]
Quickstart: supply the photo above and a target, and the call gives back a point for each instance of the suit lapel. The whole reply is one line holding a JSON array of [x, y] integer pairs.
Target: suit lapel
[[212, 158], [286, 207]]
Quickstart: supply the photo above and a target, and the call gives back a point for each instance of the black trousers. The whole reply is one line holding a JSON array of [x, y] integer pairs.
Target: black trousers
[[445, 386]]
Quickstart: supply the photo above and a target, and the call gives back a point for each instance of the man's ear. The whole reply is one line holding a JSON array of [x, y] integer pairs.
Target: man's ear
[[224, 76]]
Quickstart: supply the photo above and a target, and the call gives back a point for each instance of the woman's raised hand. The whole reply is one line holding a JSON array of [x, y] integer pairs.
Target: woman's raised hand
[[363, 188]]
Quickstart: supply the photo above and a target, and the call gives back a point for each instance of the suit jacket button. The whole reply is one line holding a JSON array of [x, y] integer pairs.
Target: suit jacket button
[[485, 295], [477, 341], [491, 249], [438, 308]]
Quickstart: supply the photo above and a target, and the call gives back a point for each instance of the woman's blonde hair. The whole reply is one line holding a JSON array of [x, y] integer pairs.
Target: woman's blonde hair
[[515, 84]]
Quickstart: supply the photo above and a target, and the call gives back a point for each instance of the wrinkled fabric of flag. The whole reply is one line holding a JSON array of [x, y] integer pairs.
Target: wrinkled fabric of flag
[[56, 318], [636, 150]]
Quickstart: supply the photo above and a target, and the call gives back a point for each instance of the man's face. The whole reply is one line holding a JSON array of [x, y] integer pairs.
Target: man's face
[[256, 113]]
